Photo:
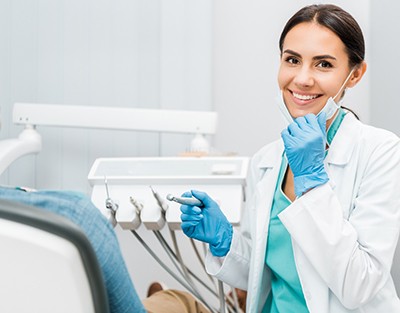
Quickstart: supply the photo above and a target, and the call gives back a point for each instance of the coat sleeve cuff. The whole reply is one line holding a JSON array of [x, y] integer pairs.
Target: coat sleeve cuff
[[223, 267]]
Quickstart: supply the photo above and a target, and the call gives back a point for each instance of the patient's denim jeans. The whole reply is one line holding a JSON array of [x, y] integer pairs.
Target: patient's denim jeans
[[78, 208]]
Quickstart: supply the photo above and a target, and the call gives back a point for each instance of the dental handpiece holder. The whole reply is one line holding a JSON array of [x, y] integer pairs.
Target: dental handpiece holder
[[223, 178]]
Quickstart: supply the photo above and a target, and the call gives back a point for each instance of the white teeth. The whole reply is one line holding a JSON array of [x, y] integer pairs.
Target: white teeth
[[304, 97]]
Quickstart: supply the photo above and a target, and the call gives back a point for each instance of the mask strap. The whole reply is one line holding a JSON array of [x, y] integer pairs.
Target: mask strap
[[345, 82]]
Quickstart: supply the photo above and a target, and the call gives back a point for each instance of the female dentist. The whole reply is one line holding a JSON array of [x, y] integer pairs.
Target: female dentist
[[322, 219]]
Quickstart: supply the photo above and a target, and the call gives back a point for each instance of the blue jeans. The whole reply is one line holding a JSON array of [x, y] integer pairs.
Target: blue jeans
[[79, 209]]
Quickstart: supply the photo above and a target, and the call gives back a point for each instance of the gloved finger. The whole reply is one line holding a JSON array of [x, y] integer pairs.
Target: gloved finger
[[301, 122], [190, 224], [321, 118], [287, 137], [188, 228], [203, 197], [285, 133], [187, 194], [189, 209], [294, 129], [312, 121], [191, 218]]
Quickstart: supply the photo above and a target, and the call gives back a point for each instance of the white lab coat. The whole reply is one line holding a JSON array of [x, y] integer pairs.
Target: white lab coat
[[344, 233]]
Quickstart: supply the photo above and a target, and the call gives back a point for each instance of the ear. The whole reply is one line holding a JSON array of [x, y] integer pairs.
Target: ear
[[357, 75]]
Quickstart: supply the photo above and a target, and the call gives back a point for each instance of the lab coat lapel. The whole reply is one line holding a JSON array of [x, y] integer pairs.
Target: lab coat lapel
[[269, 165], [264, 190], [343, 143]]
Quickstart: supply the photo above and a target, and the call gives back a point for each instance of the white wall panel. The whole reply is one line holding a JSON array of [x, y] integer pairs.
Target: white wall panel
[[129, 53], [5, 74], [78, 41], [23, 74], [384, 72], [186, 62], [136, 63], [50, 85]]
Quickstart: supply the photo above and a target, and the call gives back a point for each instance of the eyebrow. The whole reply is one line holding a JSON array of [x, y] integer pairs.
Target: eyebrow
[[318, 57]]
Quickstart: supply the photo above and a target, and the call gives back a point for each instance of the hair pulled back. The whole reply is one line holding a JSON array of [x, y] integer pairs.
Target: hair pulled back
[[338, 21]]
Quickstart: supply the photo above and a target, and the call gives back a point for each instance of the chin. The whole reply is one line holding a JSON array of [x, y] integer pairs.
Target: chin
[[299, 113]]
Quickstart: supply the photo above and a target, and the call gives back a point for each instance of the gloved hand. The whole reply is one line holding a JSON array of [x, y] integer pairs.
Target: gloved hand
[[207, 224], [305, 141]]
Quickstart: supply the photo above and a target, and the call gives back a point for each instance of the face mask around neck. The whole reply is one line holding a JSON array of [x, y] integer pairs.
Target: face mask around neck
[[329, 108]]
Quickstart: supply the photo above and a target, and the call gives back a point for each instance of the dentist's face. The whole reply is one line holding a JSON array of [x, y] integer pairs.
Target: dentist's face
[[314, 65]]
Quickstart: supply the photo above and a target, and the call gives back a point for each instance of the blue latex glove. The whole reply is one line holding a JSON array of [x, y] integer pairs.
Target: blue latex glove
[[305, 141], [207, 224]]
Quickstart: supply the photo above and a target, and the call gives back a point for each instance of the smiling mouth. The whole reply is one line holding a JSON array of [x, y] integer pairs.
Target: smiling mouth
[[304, 97]]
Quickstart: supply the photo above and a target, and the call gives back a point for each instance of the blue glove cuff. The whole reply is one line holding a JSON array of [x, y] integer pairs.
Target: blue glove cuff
[[306, 182], [222, 247]]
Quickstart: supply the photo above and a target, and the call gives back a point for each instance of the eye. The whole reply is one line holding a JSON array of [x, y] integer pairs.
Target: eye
[[292, 60], [324, 64]]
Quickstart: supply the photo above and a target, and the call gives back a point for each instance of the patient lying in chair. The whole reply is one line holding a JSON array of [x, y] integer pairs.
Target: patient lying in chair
[[122, 295]]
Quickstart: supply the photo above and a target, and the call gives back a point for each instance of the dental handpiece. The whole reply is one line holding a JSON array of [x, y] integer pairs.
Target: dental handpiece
[[186, 201]]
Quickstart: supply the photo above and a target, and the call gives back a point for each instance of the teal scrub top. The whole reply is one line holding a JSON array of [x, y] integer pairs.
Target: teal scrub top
[[286, 294]]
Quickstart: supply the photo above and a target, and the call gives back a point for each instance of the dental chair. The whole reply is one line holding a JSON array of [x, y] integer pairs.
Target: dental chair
[[46, 264]]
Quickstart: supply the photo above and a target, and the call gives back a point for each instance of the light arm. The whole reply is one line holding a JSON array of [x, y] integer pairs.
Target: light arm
[[29, 141]]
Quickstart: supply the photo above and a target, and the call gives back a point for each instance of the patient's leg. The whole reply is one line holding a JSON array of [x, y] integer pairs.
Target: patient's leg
[[79, 209]]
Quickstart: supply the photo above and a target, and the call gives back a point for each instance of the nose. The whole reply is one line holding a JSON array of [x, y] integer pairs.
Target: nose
[[303, 77]]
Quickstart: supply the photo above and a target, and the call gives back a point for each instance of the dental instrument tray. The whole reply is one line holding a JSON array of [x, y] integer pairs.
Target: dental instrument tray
[[137, 187]]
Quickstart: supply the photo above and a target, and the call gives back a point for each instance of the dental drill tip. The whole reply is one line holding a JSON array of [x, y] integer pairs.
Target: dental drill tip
[[186, 201]]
